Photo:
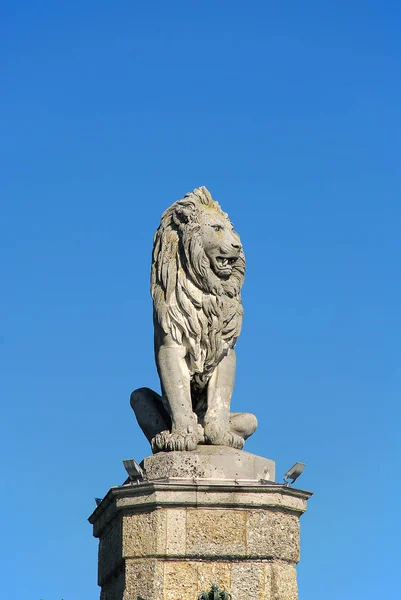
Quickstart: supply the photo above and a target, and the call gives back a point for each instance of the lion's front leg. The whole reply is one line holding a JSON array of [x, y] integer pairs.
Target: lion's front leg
[[217, 426], [175, 382]]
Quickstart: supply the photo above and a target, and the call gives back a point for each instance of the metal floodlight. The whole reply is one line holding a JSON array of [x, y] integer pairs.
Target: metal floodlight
[[98, 501], [293, 473], [135, 472]]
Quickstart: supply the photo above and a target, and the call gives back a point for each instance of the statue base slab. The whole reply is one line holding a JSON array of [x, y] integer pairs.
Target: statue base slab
[[171, 538], [209, 462]]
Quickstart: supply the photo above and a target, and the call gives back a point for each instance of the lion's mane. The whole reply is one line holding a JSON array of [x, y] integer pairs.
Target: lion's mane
[[191, 304]]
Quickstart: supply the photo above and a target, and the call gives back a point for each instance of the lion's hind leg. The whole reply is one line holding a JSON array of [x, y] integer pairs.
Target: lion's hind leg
[[243, 424], [149, 410], [155, 423]]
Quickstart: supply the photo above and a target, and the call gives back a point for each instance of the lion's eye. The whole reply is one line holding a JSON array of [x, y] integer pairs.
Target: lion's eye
[[217, 227]]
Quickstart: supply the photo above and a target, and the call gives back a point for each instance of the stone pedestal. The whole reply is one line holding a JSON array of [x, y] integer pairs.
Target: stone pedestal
[[169, 538]]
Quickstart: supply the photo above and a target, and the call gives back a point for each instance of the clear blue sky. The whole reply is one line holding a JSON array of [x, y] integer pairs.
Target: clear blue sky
[[290, 114]]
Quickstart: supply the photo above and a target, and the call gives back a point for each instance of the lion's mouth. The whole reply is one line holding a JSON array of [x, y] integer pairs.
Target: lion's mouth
[[224, 261], [224, 265]]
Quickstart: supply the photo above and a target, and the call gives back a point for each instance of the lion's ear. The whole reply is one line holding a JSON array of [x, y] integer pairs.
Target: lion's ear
[[182, 214]]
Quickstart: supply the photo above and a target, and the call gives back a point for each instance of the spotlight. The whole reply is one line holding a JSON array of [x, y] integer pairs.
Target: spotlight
[[98, 501], [293, 473], [135, 472]]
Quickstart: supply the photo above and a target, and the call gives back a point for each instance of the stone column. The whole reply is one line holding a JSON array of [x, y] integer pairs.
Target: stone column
[[171, 536]]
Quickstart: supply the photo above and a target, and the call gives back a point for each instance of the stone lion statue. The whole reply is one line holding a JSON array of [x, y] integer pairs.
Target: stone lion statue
[[198, 269]]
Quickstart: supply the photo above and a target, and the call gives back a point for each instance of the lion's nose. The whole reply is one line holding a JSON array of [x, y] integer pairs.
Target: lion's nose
[[237, 246]]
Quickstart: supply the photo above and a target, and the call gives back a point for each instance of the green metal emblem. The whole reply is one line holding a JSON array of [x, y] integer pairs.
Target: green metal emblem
[[215, 594]]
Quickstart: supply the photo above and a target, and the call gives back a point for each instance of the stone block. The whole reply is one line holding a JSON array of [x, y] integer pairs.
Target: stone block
[[180, 580], [247, 580], [215, 532], [283, 582], [214, 572], [272, 534], [209, 462], [113, 588], [267, 581], [110, 550], [144, 534], [144, 580], [176, 533], [186, 579]]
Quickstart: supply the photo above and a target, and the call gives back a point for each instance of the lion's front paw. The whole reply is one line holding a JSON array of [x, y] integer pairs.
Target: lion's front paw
[[168, 441], [218, 436]]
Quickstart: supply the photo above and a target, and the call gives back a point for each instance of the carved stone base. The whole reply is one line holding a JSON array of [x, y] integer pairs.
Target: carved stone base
[[171, 539], [210, 462]]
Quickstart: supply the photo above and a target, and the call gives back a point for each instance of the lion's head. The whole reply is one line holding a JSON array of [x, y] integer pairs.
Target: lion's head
[[197, 272]]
